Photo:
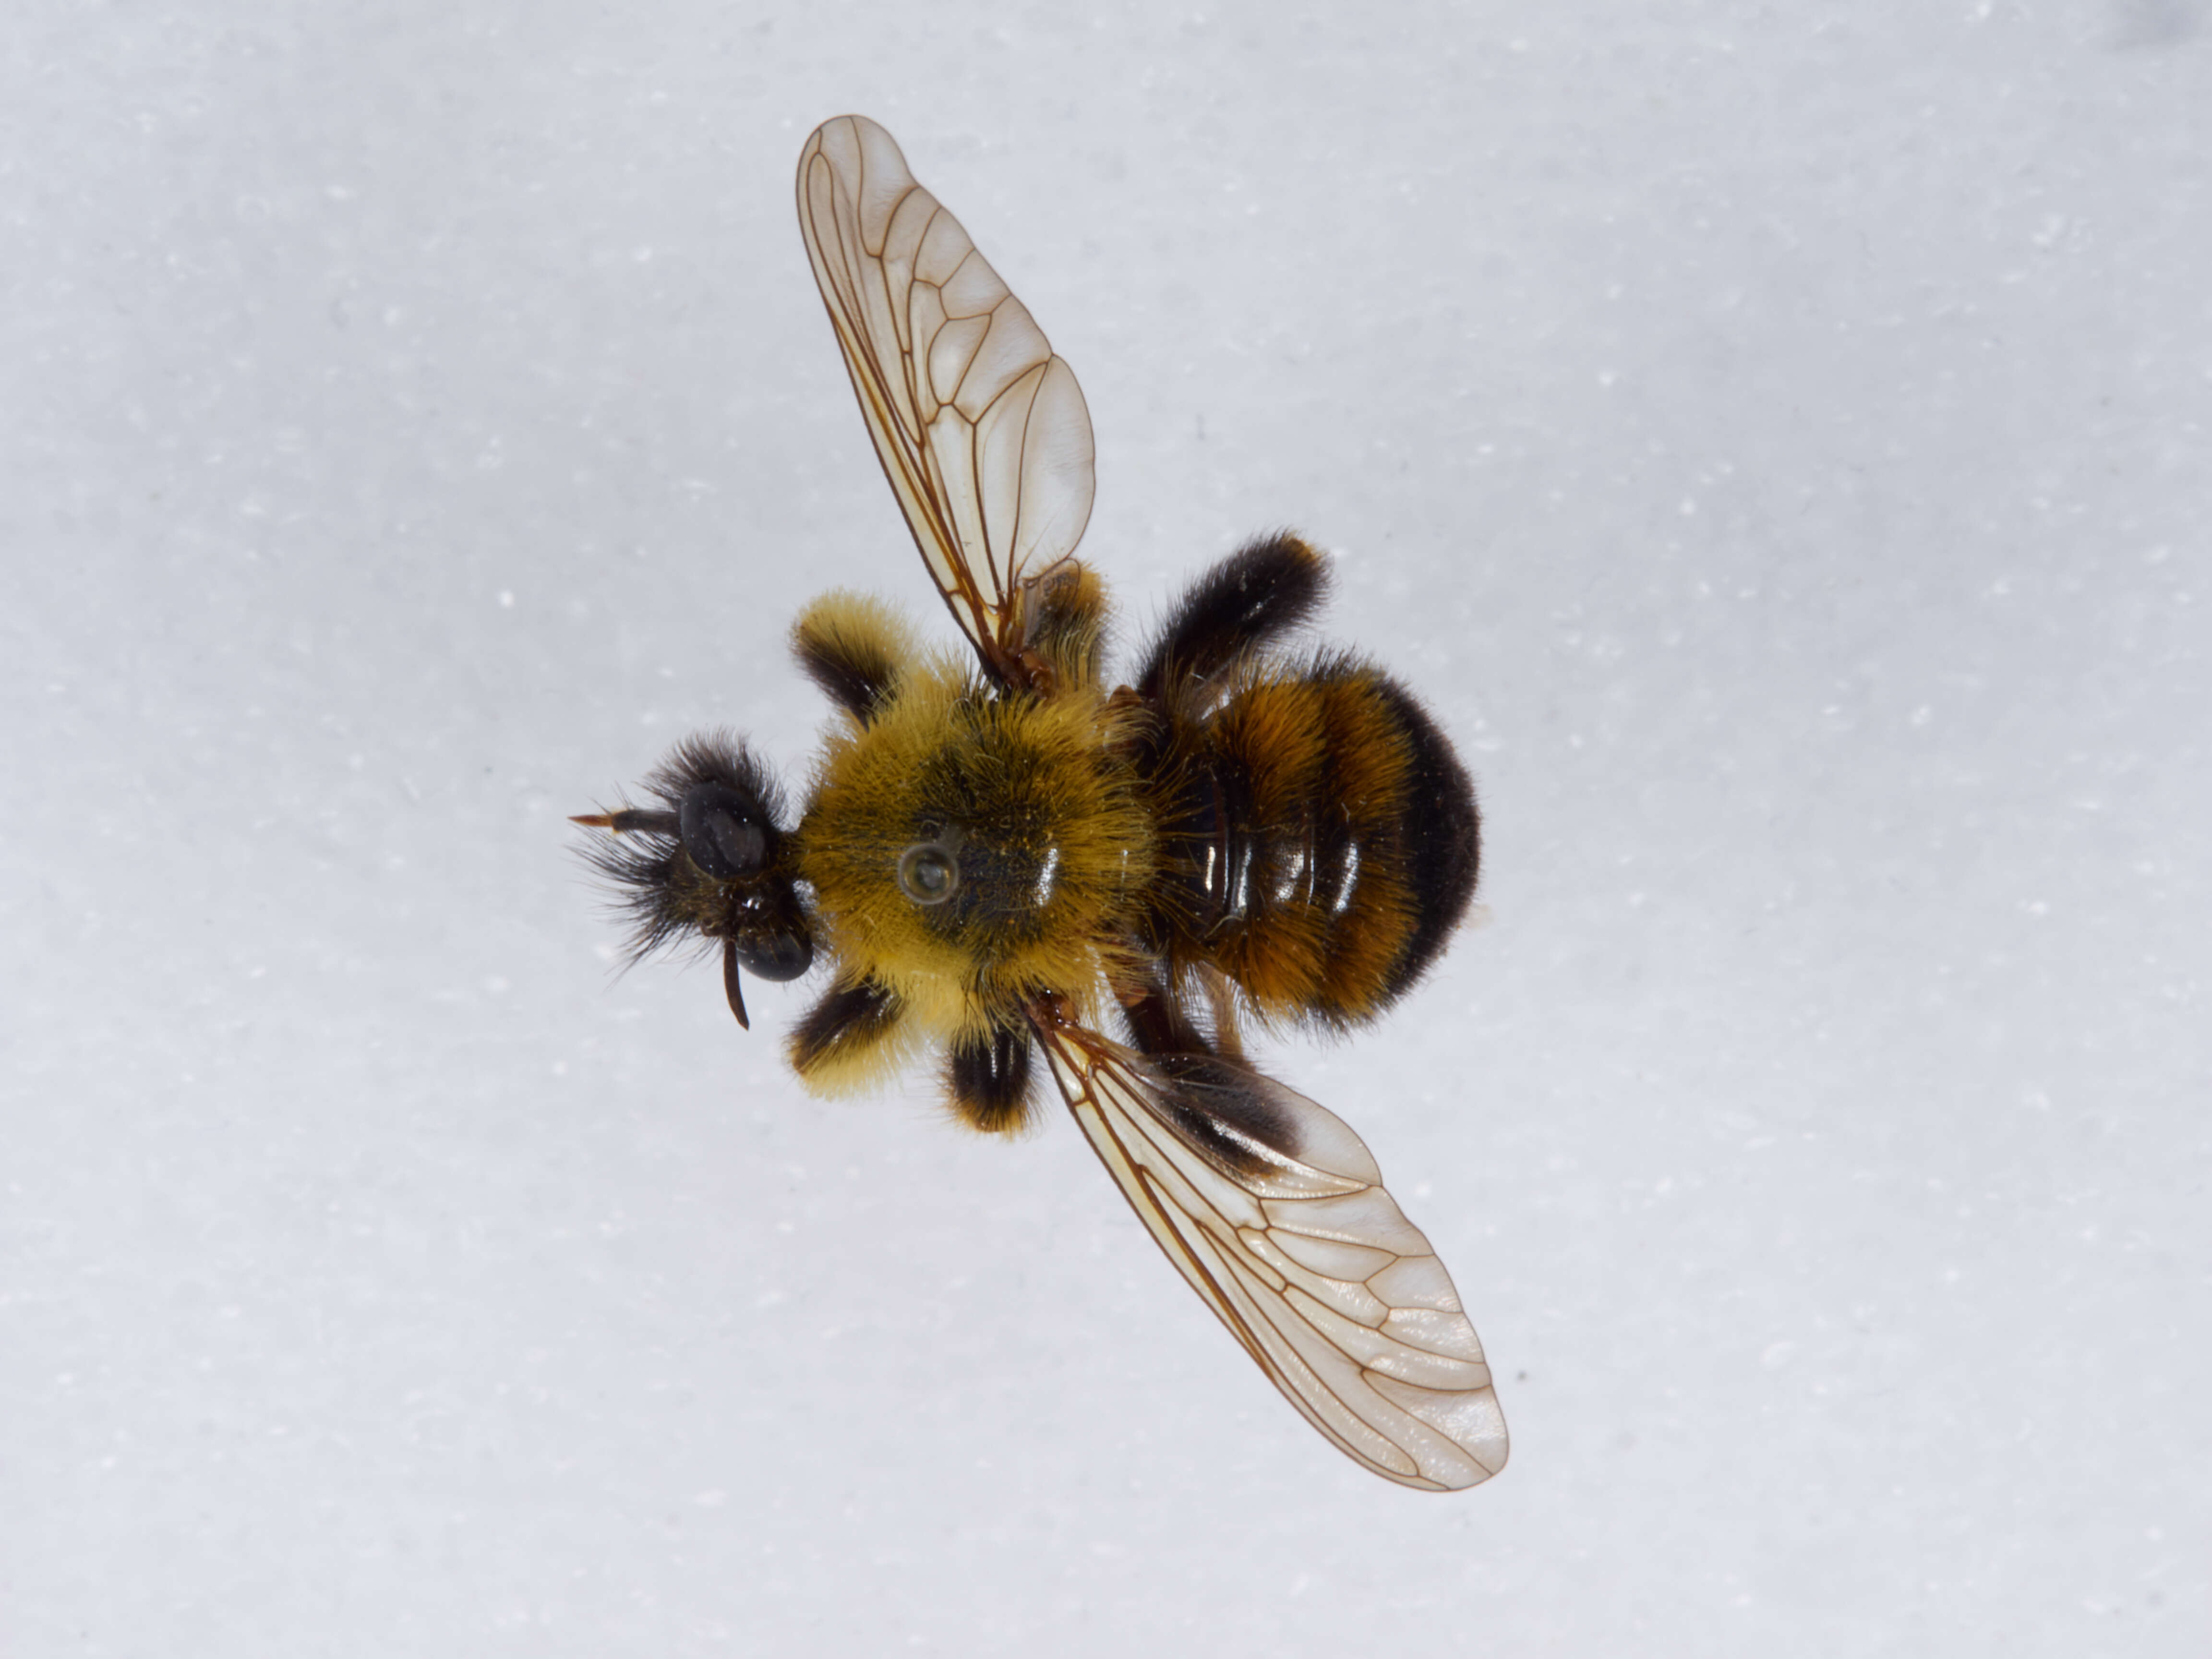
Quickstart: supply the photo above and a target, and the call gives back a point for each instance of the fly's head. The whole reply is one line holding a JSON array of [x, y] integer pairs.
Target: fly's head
[[714, 861]]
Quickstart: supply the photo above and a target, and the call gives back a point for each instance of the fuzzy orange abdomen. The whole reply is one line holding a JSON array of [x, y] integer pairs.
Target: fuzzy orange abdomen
[[1322, 843]]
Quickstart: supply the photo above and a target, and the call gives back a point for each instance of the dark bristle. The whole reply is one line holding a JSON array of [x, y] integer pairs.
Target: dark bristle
[[987, 1080], [641, 869], [718, 757], [1258, 593]]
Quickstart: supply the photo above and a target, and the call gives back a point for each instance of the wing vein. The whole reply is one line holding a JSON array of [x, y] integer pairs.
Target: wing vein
[[1418, 1415], [970, 505]]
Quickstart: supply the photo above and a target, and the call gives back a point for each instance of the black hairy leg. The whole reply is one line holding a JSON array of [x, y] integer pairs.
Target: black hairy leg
[[846, 1028], [987, 1079], [855, 648], [1258, 593]]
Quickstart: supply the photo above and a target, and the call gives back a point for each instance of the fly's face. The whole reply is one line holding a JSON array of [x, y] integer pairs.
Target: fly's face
[[978, 844]]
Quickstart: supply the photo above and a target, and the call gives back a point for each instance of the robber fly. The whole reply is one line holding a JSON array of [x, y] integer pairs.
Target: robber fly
[[1013, 857]]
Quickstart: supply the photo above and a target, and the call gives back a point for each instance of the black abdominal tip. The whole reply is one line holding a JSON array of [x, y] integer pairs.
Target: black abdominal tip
[[729, 982]]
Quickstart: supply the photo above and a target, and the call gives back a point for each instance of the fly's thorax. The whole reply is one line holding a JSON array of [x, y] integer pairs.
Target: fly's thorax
[[969, 849]]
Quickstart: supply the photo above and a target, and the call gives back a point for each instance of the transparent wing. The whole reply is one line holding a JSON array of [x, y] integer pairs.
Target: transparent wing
[[1275, 1212], [982, 430]]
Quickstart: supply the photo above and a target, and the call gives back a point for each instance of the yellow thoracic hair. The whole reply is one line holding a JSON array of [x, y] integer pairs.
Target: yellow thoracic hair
[[1055, 847]]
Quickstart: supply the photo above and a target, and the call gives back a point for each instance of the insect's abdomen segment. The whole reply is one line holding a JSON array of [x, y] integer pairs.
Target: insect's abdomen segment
[[1322, 845]]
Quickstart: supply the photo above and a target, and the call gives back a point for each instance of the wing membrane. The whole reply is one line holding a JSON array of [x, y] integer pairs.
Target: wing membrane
[[982, 430], [1273, 1211]]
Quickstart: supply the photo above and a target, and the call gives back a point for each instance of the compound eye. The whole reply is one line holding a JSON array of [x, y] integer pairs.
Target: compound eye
[[927, 874], [776, 956], [723, 831]]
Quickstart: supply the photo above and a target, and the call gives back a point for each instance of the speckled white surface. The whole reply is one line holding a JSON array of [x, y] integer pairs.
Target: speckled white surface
[[1776, 445]]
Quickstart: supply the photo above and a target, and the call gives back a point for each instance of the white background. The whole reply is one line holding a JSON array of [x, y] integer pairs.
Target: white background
[[1774, 439]]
